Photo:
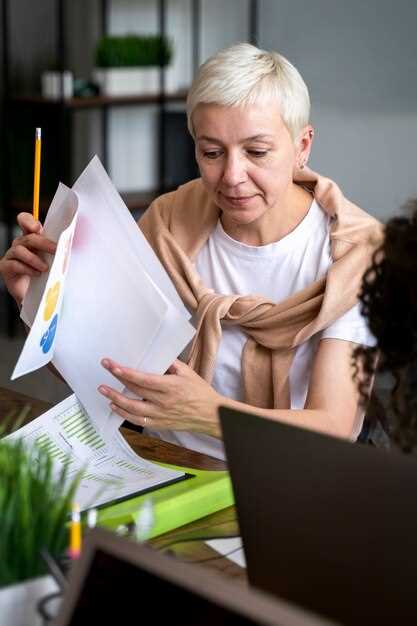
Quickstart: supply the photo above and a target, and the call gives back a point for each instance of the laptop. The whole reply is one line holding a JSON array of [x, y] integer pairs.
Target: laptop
[[118, 581], [325, 523]]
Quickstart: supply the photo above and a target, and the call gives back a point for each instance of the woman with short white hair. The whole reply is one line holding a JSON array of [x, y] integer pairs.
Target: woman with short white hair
[[266, 254], [243, 75]]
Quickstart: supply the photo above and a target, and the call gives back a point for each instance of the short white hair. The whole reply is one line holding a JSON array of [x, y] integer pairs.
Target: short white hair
[[244, 75]]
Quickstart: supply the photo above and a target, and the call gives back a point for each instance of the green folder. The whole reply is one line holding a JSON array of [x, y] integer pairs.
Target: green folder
[[177, 504]]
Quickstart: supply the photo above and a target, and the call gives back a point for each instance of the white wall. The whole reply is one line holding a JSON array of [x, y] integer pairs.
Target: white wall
[[359, 60], [222, 24]]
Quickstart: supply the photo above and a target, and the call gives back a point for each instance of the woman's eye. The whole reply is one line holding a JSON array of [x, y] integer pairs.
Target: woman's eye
[[211, 154], [258, 154]]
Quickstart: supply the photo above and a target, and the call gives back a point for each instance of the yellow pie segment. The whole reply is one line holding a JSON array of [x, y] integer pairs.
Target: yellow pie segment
[[51, 300]]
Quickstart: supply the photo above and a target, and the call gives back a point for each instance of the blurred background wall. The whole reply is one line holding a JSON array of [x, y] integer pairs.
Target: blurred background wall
[[359, 59]]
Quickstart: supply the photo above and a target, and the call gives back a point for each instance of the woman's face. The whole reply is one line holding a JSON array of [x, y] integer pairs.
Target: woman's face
[[246, 158]]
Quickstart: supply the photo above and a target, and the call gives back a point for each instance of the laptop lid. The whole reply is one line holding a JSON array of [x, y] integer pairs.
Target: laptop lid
[[119, 581], [326, 524]]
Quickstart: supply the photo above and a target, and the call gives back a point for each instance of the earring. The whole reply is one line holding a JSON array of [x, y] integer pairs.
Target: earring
[[302, 165]]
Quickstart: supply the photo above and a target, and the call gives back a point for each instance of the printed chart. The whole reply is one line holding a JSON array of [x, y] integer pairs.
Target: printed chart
[[39, 345], [111, 470]]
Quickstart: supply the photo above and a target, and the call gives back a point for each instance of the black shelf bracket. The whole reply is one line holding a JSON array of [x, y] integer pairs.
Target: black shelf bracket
[[253, 20]]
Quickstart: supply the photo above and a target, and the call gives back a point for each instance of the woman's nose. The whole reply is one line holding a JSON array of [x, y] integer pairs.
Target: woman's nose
[[234, 171]]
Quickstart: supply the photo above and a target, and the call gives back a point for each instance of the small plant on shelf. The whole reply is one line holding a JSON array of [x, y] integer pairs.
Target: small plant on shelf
[[133, 51], [129, 64]]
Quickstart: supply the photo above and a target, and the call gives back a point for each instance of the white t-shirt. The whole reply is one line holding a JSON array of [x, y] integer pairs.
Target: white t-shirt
[[274, 271]]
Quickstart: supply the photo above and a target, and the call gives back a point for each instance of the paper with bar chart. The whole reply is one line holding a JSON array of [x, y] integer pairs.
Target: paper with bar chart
[[111, 470]]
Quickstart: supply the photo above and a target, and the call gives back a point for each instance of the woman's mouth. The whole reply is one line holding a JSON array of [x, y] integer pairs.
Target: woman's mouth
[[237, 201]]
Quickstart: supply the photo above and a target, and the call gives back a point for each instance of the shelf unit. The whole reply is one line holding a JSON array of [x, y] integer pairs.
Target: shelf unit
[[63, 110], [135, 201], [96, 102]]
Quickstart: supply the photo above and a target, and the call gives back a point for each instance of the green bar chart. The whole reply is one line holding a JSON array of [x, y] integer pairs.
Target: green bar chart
[[46, 443], [133, 468], [94, 477], [79, 426]]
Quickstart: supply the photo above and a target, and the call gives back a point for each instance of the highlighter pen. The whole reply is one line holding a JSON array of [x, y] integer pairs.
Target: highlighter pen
[[145, 521], [75, 533], [92, 518], [37, 174]]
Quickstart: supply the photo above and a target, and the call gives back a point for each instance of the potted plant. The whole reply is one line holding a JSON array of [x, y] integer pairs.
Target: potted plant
[[129, 64], [34, 507]]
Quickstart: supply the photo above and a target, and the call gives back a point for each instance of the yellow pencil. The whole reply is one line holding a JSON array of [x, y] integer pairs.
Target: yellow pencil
[[75, 533], [37, 174]]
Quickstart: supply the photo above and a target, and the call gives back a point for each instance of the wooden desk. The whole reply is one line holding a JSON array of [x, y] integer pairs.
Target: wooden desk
[[11, 403]]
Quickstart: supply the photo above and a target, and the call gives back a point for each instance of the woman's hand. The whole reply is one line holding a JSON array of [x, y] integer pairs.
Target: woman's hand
[[23, 259], [178, 400]]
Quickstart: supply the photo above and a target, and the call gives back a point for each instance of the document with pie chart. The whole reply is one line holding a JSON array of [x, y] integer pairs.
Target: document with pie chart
[[40, 343], [106, 295]]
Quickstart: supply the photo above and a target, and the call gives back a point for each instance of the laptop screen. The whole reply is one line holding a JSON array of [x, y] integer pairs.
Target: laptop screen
[[141, 593], [326, 523], [117, 580]]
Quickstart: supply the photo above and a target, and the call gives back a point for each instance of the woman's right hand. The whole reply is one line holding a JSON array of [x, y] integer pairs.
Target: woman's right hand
[[24, 258]]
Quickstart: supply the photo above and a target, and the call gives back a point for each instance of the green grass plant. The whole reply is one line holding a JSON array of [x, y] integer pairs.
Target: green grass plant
[[34, 508], [133, 51]]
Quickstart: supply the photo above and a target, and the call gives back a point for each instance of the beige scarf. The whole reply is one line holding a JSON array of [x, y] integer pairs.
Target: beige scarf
[[179, 223]]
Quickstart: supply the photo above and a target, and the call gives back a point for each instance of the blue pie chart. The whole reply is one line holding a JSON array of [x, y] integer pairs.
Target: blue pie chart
[[49, 336]]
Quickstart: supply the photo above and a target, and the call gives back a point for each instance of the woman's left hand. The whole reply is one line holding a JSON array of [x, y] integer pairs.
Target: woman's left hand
[[178, 400]]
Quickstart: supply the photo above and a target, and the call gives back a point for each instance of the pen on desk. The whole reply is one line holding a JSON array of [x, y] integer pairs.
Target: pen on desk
[[37, 174], [75, 533]]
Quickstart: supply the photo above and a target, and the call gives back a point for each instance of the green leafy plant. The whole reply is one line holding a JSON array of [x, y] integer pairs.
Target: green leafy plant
[[133, 51], [34, 508]]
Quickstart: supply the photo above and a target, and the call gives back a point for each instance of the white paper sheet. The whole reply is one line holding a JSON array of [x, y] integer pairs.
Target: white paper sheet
[[60, 215], [135, 243], [112, 470], [230, 548], [39, 346], [112, 307]]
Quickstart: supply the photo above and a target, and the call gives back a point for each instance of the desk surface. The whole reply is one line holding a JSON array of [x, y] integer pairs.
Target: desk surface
[[12, 402]]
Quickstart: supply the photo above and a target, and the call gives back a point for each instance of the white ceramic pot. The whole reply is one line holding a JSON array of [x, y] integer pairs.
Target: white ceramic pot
[[127, 81], [18, 603]]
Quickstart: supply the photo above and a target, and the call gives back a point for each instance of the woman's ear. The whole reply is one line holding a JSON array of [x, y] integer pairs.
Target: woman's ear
[[303, 146]]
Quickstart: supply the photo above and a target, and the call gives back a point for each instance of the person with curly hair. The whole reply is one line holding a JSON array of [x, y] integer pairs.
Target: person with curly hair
[[389, 303]]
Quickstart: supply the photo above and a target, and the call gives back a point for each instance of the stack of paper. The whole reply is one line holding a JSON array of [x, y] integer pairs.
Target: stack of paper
[[111, 470], [114, 476], [106, 295]]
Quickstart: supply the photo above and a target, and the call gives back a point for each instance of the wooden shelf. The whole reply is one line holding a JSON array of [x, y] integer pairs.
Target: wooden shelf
[[99, 102], [139, 200], [134, 200]]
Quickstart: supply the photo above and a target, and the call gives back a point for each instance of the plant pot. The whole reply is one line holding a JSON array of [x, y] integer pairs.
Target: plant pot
[[18, 603], [127, 81]]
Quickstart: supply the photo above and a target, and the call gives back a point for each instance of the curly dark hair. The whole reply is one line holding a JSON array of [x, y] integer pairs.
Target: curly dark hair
[[389, 302]]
